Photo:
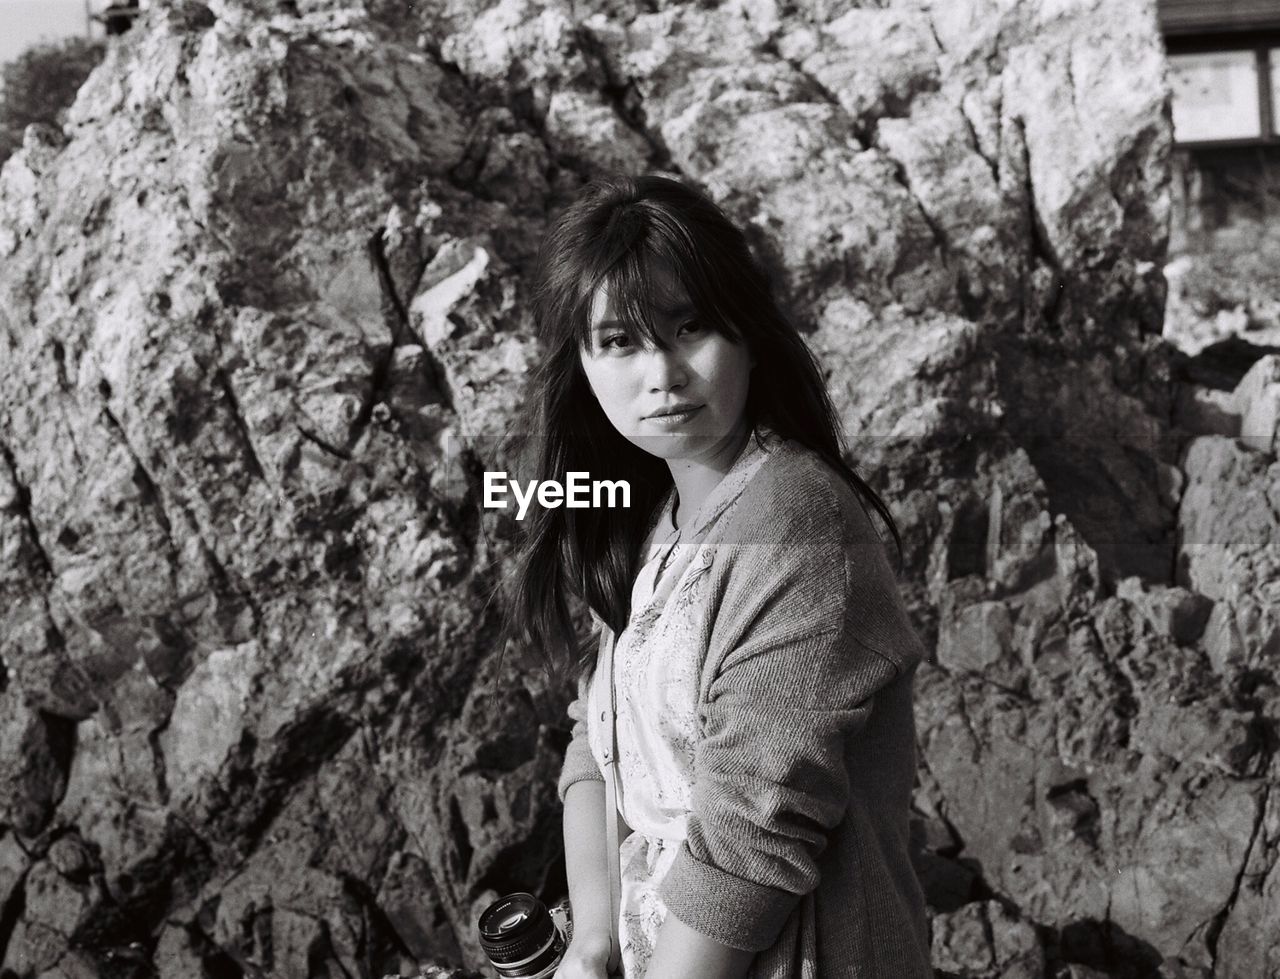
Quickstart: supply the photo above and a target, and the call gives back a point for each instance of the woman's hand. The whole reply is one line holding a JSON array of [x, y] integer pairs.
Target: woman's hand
[[586, 958]]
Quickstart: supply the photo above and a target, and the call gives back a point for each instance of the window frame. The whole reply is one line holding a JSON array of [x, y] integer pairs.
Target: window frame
[[1261, 43]]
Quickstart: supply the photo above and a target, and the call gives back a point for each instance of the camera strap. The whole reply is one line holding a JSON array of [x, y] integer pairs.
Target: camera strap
[[612, 814]]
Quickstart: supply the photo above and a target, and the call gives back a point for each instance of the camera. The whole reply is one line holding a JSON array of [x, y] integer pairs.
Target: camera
[[521, 938]]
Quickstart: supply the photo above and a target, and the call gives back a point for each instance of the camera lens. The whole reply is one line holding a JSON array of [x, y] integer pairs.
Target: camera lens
[[519, 937]]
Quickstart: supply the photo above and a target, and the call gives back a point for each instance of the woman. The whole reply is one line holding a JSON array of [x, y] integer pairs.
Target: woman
[[762, 657]]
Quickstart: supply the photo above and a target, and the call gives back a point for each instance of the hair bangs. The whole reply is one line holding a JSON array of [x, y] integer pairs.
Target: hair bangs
[[635, 290], [677, 249], [661, 272]]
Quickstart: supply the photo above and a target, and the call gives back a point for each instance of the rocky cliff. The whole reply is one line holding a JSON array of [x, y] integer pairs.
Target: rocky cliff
[[264, 320]]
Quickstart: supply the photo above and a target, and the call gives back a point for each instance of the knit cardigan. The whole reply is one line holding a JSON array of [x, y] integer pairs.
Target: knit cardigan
[[797, 837]]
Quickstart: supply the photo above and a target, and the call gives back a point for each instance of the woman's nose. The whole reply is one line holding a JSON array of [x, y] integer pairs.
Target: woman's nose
[[665, 370]]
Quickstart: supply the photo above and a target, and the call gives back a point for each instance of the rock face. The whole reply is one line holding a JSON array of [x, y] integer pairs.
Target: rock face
[[264, 319]]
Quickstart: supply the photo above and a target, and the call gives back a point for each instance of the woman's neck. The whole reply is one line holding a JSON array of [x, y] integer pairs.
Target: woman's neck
[[696, 478]]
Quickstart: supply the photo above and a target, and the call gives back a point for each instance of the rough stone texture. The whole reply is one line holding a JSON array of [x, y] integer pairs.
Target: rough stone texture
[[1257, 399], [983, 939], [264, 320]]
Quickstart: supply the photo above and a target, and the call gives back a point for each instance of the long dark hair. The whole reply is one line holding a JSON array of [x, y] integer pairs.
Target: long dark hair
[[619, 232]]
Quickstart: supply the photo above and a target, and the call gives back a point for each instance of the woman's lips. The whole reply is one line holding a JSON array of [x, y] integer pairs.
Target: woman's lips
[[676, 420]]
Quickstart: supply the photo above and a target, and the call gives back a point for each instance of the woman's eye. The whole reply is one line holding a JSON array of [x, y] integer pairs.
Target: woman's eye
[[619, 342]]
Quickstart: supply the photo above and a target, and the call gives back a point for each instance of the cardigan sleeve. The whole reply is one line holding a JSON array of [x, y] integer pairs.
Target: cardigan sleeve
[[579, 762], [793, 678]]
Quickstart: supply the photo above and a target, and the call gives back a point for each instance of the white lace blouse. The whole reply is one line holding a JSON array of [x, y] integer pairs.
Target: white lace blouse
[[656, 662]]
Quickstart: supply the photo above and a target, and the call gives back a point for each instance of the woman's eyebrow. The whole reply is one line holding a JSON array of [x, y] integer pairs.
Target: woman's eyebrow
[[677, 311]]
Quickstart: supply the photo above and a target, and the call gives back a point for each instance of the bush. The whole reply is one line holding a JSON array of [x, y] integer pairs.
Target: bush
[[40, 84]]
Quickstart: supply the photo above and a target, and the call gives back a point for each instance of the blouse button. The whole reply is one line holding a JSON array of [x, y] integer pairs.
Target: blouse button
[[604, 715], [606, 754]]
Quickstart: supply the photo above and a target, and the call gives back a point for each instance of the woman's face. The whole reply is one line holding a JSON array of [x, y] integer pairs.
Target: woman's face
[[703, 377]]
